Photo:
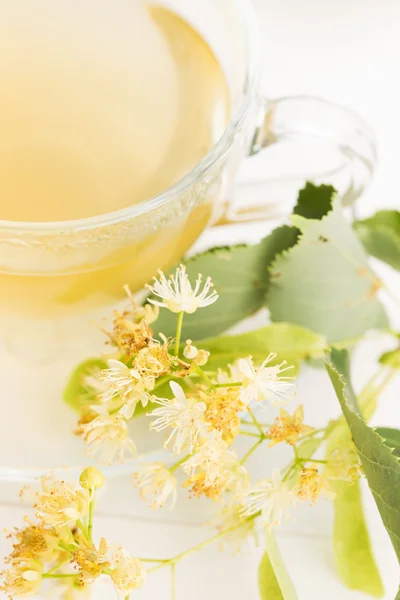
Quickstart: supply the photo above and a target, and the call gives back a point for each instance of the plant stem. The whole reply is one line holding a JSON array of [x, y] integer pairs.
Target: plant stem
[[372, 389], [178, 332], [179, 557], [91, 513], [173, 582], [255, 422], [249, 433], [204, 376], [312, 434], [288, 470], [314, 460], [285, 583], [67, 547], [178, 464], [56, 567], [83, 528], [252, 424], [153, 560], [252, 450]]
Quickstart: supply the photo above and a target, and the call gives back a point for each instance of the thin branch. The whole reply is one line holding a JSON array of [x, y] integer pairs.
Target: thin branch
[[178, 332], [173, 582], [256, 423], [252, 450]]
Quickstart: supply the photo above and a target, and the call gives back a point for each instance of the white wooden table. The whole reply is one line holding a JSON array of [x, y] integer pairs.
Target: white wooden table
[[347, 51]]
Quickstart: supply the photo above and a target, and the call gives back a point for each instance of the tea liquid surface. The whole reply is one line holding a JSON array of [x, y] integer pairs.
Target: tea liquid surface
[[101, 106]]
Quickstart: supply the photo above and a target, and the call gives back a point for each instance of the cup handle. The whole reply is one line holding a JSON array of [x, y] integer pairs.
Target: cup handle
[[299, 139]]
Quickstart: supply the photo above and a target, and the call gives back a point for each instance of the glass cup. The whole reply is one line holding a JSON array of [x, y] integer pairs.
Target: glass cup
[[57, 278]]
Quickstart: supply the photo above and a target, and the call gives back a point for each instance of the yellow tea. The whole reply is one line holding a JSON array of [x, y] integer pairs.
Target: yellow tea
[[98, 114]]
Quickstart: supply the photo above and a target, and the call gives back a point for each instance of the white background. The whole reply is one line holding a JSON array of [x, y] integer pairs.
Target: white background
[[347, 51]]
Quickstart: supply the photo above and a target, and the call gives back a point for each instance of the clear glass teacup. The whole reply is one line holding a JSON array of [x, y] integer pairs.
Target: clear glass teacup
[[56, 278]]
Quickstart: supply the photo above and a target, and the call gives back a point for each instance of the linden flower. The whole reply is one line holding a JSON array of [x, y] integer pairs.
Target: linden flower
[[156, 484], [23, 578], [199, 487], [344, 464], [129, 336], [238, 481], [35, 541], [288, 428], [223, 412], [128, 573], [312, 484], [107, 438], [214, 469], [90, 562], [153, 361], [264, 384], [177, 294], [232, 478], [189, 350], [273, 498], [231, 518], [185, 417], [59, 504], [213, 458], [126, 384]]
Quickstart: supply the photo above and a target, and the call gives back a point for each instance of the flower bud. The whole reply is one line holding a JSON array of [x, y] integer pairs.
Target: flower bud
[[202, 358], [189, 350], [91, 478]]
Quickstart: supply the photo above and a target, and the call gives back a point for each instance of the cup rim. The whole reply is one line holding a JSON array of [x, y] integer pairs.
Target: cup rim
[[251, 87]]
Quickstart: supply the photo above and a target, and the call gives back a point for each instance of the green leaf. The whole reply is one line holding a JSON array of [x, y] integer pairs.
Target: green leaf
[[324, 281], [381, 466], [291, 343], [391, 438], [76, 394], [314, 202], [354, 559], [391, 358], [267, 581], [240, 277], [380, 235], [273, 577]]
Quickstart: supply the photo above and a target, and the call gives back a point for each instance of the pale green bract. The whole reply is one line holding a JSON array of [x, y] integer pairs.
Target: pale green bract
[[267, 581], [273, 578], [354, 559]]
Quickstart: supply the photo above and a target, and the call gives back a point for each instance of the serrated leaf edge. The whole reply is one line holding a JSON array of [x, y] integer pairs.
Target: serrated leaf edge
[[374, 429], [287, 251], [216, 250], [284, 254]]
